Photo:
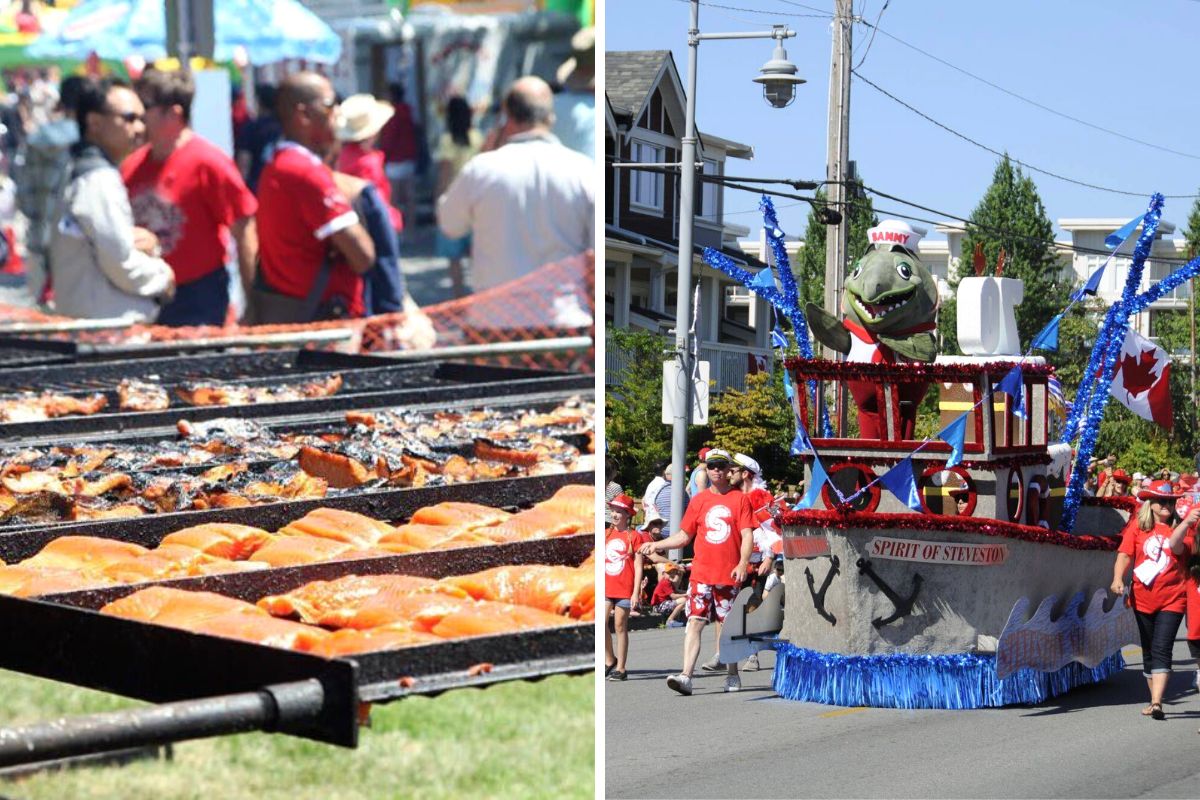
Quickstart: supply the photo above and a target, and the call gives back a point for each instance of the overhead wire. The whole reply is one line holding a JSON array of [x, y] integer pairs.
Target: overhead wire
[[760, 11], [876, 29], [994, 151], [873, 28], [945, 215]]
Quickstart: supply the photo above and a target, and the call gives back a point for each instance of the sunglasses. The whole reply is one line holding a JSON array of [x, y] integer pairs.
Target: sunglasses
[[128, 117]]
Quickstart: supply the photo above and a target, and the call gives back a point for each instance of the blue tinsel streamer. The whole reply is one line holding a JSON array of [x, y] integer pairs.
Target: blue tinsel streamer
[[903, 680], [786, 298], [1116, 324]]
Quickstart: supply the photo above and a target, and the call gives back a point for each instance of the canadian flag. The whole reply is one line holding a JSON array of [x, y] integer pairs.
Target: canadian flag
[[1142, 380], [755, 363]]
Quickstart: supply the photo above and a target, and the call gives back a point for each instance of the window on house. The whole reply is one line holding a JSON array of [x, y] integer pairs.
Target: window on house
[[647, 187], [710, 194]]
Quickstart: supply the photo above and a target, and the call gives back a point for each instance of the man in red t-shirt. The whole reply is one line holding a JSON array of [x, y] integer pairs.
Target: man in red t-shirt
[[306, 226], [191, 195], [720, 521], [622, 580]]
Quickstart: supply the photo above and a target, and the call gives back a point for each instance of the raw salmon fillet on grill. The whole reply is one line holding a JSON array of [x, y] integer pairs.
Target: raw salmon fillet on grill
[[222, 539], [264, 629], [289, 551], [422, 610], [466, 515], [549, 588], [313, 600], [177, 607], [342, 526], [484, 618], [348, 642], [162, 563], [536, 523], [21, 581], [576, 501], [419, 536], [84, 552]]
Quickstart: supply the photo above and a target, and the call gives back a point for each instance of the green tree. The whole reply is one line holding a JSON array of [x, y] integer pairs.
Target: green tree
[[757, 421], [637, 439], [1011, 217], [810, 268]]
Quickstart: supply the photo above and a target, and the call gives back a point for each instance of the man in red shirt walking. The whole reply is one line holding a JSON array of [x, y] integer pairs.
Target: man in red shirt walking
[[720, 522], [313, 249], [191, 195]]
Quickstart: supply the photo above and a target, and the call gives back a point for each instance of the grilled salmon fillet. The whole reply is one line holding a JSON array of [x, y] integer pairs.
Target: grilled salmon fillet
[[83, 552], [388, 637], [484, 618], [289, 551]]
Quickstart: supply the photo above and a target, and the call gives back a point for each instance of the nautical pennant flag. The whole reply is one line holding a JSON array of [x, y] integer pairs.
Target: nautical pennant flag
[[765, 279], [801, 443], [1048, 338], [1013, 385], [814, 486], [1113, 242], [954, 435], [899, 481], [777, 338], [1142, 381], [788, 389]]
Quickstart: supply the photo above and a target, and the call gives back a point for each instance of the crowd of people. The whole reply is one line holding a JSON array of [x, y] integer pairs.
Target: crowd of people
[[130, 213], [729, 526]]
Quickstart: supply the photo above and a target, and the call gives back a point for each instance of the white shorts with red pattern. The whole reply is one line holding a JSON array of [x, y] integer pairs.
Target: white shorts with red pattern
[[710, 602]]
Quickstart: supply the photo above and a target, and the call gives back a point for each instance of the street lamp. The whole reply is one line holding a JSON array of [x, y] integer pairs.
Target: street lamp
[[778, 76], [779, 83]]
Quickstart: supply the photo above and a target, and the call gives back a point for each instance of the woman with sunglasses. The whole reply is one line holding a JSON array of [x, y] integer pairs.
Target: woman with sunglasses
[[1156, 543]]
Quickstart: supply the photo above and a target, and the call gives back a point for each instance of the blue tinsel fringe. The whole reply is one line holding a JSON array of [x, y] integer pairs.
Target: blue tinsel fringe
[[901, 680]]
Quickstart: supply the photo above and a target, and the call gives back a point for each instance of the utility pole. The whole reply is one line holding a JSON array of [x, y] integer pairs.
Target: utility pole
[[836, 173]]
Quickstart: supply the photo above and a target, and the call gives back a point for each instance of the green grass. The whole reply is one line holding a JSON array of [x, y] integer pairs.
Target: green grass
[[513, 740]]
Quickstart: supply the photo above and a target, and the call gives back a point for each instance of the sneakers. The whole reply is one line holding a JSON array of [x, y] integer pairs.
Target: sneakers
[[618, 675], [678, 623], [712, 665], [733, 683], [752, 663], [680, 683]]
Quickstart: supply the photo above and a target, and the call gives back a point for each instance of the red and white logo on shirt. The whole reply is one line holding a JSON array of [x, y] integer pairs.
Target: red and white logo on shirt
[[616, 552], [716, 521]]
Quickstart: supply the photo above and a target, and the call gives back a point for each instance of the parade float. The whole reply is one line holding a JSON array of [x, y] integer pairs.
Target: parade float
[[962, 570]]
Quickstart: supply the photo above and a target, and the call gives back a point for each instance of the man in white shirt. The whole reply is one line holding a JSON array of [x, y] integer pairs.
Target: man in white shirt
[[526, 204]]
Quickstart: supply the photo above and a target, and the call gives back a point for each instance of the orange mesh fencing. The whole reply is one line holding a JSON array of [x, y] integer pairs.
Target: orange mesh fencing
[[555, 301]]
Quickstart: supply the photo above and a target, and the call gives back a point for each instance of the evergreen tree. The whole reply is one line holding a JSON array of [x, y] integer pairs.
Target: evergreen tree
[[637, 439], [810, 269], [1011, 217]]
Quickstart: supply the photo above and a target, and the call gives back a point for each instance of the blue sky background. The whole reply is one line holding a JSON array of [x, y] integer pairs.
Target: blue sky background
[[1131, 67]]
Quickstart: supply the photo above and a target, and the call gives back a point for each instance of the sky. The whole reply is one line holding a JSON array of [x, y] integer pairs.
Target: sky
[[1125, 66]]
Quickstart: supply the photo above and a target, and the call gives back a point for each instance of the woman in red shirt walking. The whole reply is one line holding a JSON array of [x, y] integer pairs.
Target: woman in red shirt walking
[[1155, 544]]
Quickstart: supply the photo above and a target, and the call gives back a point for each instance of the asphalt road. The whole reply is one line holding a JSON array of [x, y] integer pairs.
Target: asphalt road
[[1091, 742]]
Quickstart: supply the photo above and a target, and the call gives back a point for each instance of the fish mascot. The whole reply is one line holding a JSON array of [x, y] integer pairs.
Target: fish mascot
[[890, 305]]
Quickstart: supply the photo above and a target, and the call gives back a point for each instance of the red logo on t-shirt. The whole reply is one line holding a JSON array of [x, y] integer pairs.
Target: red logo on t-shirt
[[161, 217]]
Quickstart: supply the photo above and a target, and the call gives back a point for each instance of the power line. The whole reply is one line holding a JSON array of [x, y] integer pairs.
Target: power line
[[873, 28], [810, 8], [944, 215], [824, 15], [876, 29], [994, 151]]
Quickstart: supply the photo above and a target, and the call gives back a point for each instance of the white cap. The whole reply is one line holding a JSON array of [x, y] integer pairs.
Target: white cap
[[896, 232], [747, 462], [1137, 476]]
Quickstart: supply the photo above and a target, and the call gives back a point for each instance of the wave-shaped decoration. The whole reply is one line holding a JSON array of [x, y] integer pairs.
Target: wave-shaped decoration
[[1041, 643], [903, 680]]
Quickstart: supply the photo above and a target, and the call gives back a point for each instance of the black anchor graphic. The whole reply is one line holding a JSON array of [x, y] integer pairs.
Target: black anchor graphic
[[819, 597], [903, 607]]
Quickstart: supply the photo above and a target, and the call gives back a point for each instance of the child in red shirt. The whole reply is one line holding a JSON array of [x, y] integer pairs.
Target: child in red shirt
[[622, 583]]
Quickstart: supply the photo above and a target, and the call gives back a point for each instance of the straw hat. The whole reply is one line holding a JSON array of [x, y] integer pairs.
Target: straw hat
[[361, 116]]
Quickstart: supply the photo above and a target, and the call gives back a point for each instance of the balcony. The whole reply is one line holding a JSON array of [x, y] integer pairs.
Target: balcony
[[728, 363]]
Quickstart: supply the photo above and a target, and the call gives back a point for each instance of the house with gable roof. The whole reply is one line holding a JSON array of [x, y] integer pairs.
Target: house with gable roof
[[644, 117]]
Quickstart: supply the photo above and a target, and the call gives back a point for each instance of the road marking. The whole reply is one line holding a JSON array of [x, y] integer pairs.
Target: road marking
[[841, 712], [1130, 651]]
